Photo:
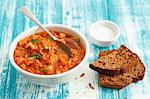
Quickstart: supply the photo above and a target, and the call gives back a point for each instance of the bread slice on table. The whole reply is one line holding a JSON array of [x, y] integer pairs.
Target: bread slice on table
[[115, 62], [121, 80]]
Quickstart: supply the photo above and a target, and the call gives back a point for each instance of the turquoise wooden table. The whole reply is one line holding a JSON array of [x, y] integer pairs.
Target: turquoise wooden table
[[133, 17]]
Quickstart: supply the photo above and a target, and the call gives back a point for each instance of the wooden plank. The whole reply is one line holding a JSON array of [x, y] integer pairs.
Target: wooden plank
[[6, 34], [130, 15], [80, 15], [12, 84]]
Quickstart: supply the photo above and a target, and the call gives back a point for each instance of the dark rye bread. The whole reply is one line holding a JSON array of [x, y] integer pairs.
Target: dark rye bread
[[135, 74], [115, 62], [119, 81]]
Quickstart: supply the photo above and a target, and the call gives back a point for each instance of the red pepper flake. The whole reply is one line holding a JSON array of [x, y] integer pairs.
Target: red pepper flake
[[82, 75], [90, 85]]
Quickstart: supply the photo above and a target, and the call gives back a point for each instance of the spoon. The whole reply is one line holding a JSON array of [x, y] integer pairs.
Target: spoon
[[63, 46]]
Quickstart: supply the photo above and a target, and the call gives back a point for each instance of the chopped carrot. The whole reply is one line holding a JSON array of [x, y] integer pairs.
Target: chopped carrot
[[63, 61], [58, 71]]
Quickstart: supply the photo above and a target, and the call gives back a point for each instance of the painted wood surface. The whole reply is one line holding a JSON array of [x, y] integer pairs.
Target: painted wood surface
[[131, 15]]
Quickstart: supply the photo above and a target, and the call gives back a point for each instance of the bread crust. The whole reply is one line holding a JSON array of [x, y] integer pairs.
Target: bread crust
[[105, 71]]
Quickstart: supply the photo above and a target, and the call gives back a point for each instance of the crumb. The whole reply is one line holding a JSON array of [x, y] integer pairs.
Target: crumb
[[75, 78], [82, 75], [42, 91], [90, 85], [77, 92]]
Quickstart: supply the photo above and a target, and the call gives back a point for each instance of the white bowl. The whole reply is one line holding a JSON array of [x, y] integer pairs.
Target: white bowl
[[104, 33], [49, 80]]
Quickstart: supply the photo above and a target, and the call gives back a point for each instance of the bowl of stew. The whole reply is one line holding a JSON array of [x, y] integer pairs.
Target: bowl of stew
[[35, 55]]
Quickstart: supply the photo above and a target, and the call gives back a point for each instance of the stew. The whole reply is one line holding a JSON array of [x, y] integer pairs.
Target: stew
[[39, 53]]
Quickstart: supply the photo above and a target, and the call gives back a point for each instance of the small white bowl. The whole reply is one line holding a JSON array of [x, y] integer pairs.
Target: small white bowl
[[49, 80], [104, 33]]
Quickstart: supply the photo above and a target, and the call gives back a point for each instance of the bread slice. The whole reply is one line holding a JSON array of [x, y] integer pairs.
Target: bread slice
[[135, 78], [135, 74], [115, 62], [119, 81]]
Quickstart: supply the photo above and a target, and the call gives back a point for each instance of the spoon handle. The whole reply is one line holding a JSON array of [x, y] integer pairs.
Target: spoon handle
[[27, 12]]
